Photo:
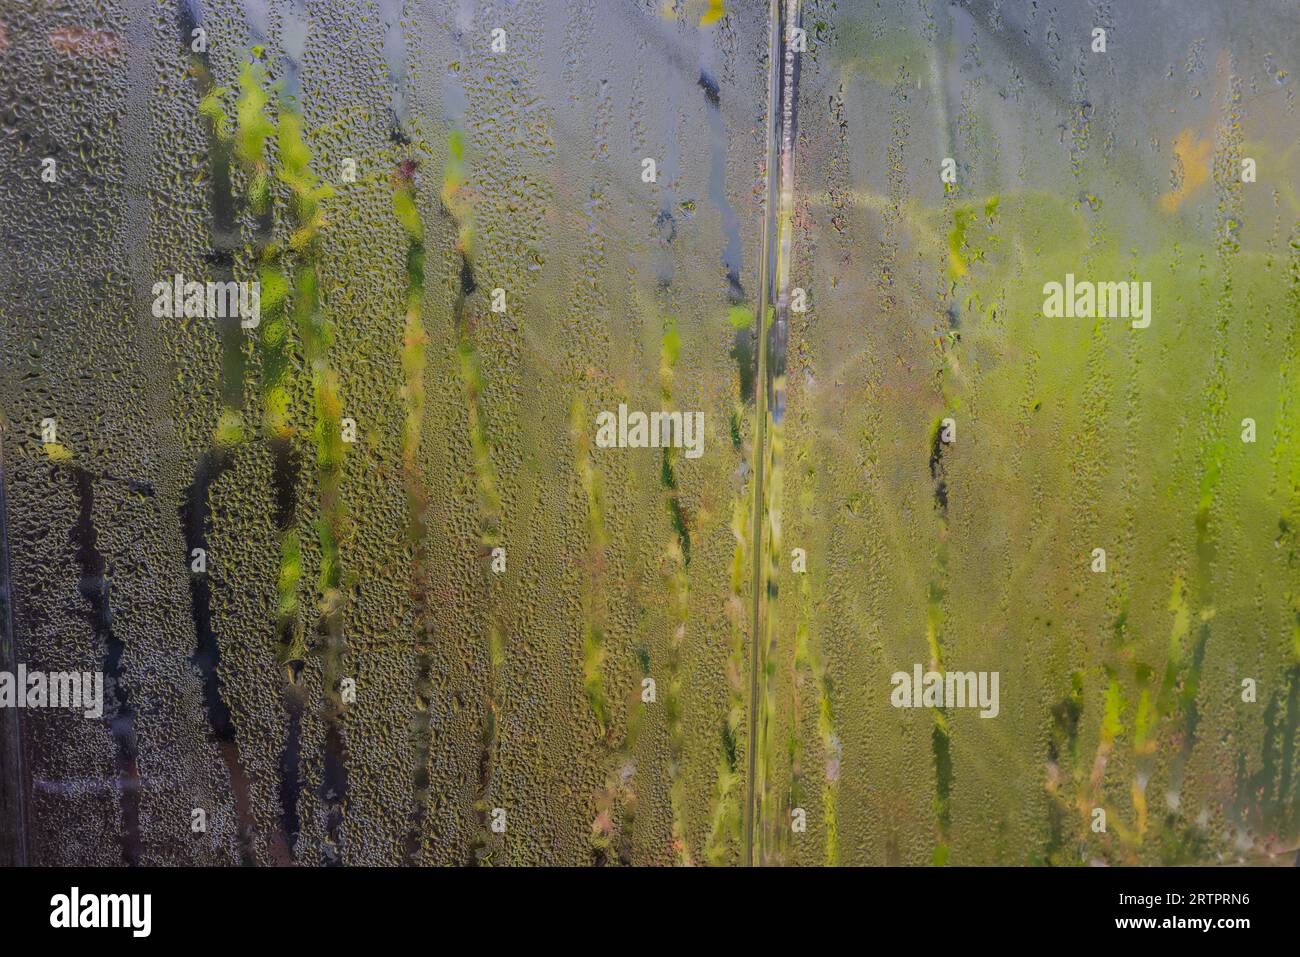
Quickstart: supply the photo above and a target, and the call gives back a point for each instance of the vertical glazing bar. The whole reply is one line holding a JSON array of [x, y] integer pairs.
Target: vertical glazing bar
[[773, 295], [13, 830]]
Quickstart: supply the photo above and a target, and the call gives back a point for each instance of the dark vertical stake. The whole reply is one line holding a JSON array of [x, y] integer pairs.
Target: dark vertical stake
[[13, 805]]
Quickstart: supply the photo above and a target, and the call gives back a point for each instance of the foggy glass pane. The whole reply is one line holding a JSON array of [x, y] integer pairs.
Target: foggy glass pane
[[566, 432]]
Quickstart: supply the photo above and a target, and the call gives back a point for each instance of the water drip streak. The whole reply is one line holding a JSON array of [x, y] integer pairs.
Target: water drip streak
[[95, 585], [295, 268], [415, 344], [773, 294], [457, 204], [194, 513]]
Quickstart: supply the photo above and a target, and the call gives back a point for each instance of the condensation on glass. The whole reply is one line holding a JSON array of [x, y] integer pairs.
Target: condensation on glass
[[323, 336]]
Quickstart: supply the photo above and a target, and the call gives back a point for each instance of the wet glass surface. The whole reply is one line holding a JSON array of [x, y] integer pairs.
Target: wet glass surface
[[325, 334]]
